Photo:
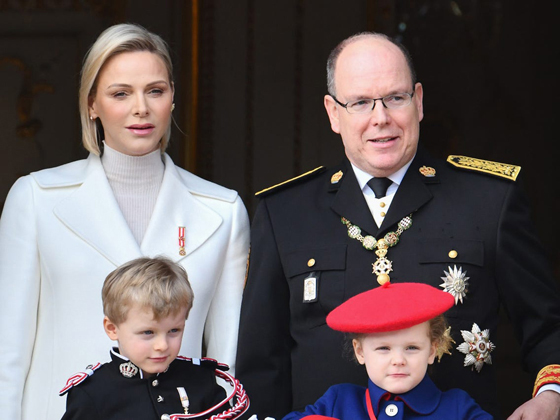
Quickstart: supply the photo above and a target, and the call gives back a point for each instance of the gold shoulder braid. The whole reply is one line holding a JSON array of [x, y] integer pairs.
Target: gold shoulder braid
[[548, 375], [495, 168], [382, 266], [289, 181]]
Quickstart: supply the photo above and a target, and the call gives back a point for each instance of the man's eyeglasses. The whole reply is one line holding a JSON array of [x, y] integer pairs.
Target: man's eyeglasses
[[362, 106]]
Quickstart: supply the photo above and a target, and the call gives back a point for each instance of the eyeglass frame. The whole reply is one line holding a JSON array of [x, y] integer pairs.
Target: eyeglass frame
[[345, 106]]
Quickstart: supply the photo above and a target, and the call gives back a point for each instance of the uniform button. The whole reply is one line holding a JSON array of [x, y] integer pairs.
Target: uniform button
[[452, 254], [383, 214], [391, 410], [311, 262], [165, 417], [159, 398], [155, 382], [382, 204]]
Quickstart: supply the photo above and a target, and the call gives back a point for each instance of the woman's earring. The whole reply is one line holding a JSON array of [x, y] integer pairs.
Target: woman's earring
[[172, 106], [91, 117]]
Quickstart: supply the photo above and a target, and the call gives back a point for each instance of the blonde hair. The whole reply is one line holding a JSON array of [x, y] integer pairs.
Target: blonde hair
[[438, 332], [440, 336], [155, 283], [117, 39]]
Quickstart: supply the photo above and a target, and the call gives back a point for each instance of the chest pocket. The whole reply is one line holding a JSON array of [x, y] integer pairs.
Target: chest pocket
[[451, 251], [328, 265], [332, 257], [439, 255]]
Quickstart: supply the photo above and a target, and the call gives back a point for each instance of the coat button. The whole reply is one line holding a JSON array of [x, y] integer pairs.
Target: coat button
[[155, 382], [391, 410], [165, 417], [452, 254], [160, 399], [311, 262]]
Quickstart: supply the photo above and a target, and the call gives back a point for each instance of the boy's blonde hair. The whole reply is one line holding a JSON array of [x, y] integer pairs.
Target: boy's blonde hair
[[117, 39], [157, 283]]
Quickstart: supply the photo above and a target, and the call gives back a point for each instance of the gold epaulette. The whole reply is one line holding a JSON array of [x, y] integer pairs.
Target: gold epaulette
[[548, 375], [495, 168], [289, 181]]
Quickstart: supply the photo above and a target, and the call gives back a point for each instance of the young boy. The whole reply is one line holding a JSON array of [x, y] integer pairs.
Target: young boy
[[146, 302], [398, 330]]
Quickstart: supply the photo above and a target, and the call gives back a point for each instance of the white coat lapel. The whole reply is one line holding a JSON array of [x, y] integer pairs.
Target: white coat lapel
[[177, 206], [93, 213]]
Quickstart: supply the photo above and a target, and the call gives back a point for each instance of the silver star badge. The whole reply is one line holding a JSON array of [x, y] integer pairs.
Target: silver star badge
[[477, 347], [456, 283]]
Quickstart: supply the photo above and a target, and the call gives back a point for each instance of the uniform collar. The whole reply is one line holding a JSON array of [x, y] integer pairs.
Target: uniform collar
[[422, 399], [121, 363], [363, 177]]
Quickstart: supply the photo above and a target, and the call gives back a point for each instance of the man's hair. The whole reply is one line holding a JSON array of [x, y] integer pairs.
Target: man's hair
[[333, 56], [157, 283], [117, 39]]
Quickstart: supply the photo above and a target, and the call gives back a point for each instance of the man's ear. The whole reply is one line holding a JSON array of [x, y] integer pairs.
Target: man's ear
[[418, 100], [332, 111], [111, 329], [358, 351]]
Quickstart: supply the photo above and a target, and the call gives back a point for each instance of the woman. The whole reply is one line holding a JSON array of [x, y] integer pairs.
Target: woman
[[64, 229]]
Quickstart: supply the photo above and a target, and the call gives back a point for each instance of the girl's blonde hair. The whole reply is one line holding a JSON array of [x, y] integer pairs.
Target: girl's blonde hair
[[438, 333]]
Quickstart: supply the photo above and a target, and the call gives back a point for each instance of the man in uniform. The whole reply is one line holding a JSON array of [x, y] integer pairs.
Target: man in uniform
[[392, 211]]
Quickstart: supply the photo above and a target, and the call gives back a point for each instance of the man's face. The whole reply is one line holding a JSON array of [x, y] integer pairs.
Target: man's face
[[381, 141]]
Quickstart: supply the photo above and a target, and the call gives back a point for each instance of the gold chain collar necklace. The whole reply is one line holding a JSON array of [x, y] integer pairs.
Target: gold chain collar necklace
[[382, 266]]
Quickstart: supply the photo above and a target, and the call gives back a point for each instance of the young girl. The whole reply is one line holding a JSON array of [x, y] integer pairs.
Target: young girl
[[397, 331]]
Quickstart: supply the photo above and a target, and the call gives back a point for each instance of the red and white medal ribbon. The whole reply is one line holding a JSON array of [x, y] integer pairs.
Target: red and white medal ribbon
[[182, 241]]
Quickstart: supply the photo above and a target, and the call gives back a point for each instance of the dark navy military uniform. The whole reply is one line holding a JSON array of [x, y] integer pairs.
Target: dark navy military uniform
[[425, 401], [107, 394], [288, 356]]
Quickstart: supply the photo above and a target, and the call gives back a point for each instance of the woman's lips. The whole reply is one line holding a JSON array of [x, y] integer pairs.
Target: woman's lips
[[141, 129]]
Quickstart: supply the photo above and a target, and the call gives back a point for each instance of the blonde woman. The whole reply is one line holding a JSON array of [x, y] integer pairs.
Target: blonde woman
[[64, 229]]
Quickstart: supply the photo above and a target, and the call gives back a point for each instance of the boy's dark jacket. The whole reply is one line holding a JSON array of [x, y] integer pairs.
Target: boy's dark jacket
[[108, 395]]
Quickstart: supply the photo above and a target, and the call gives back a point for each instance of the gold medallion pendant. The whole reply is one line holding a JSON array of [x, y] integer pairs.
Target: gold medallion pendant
[[382, 266]]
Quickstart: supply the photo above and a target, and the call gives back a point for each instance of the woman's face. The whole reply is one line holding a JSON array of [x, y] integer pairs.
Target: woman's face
[[133, 101]]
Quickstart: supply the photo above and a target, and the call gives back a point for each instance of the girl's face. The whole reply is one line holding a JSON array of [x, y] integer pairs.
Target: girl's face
[[397, 361]]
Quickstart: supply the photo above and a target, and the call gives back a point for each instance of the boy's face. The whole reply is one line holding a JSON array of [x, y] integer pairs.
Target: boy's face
[[149, 344], [397, 360]]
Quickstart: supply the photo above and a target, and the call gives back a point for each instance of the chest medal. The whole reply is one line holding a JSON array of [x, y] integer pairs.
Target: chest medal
[[382, 266]]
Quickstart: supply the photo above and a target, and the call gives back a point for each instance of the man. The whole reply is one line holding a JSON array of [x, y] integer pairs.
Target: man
[[463, 227]]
